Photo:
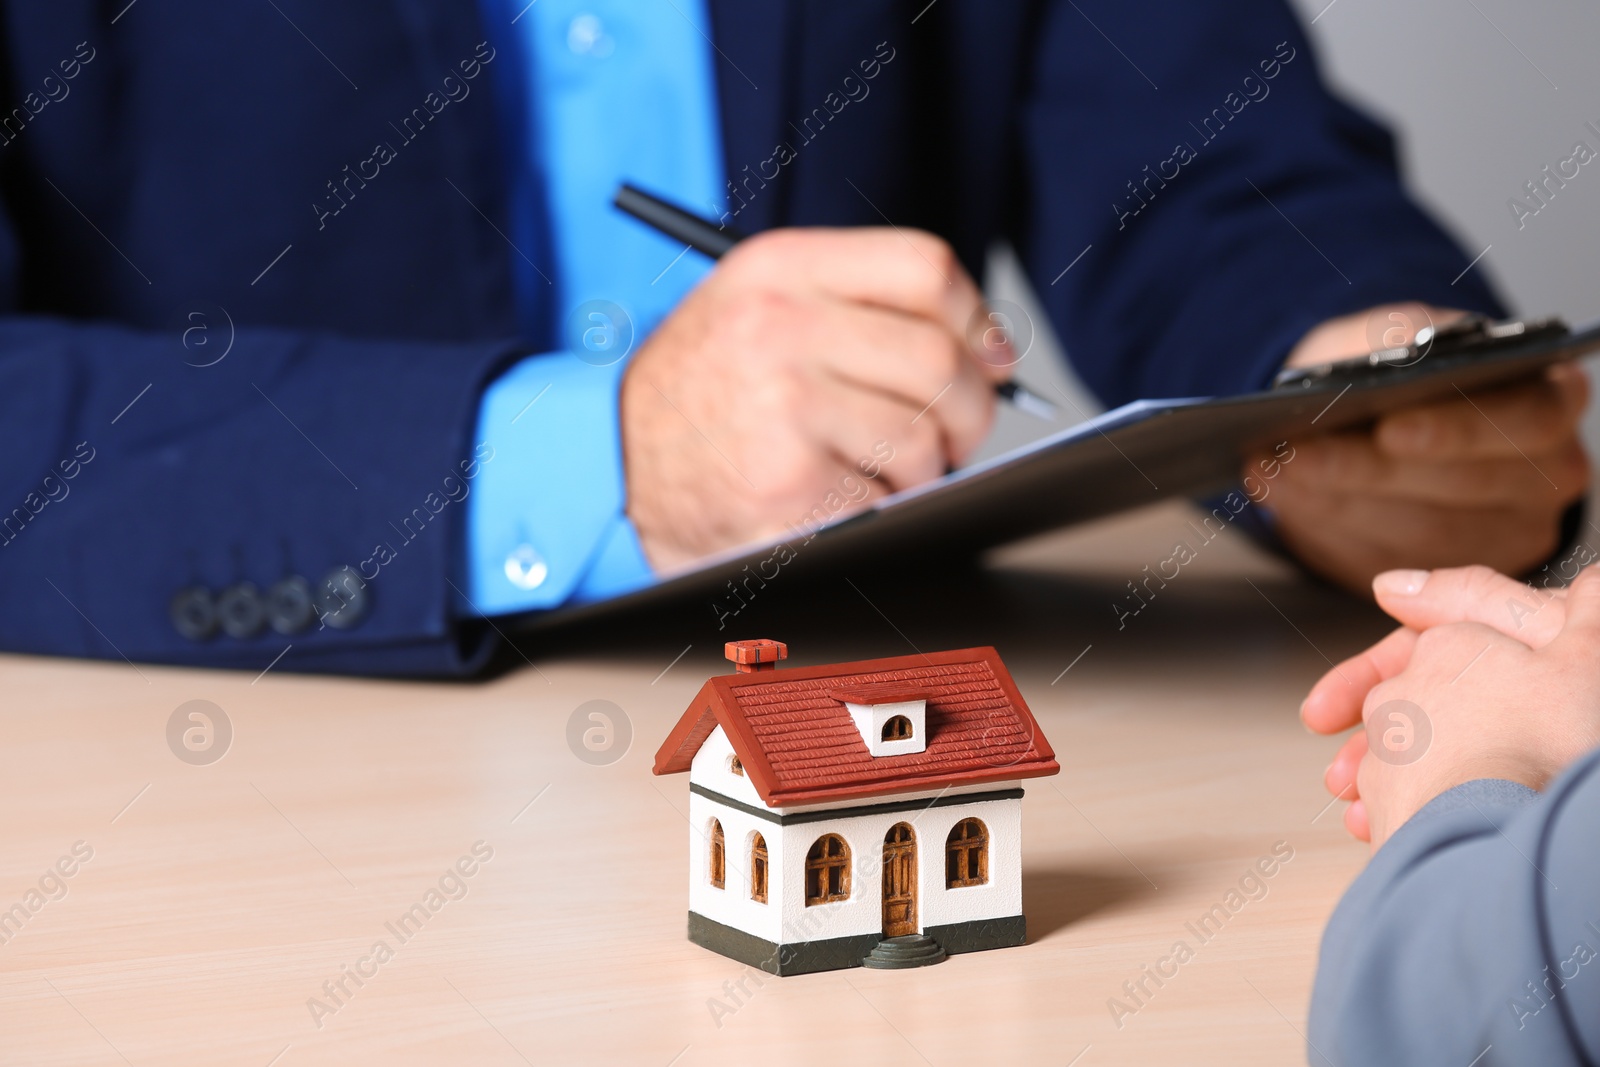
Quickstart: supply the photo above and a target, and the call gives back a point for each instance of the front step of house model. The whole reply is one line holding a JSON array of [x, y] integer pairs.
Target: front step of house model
[[896, 953]]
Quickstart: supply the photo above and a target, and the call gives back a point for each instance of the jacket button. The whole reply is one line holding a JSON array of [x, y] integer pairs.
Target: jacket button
[[240, 610], [289, 605], [192, 613], [342, 598]]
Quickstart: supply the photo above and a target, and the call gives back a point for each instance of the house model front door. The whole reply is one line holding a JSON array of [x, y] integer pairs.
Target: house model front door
[[899, 881]]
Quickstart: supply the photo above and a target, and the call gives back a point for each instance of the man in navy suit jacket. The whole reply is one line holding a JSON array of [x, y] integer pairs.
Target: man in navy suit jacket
[[164, 503]]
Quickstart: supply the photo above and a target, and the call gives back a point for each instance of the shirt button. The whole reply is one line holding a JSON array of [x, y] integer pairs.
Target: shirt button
[[525, 568], [586, 36]]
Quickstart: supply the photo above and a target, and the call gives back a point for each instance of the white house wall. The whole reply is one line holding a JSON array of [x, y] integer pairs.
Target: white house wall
[[785, 919], [710, 769], [862, 913], [732, 905]]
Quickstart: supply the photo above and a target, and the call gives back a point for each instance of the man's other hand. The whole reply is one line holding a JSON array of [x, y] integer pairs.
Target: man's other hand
[[787, 376], [1473, 478]]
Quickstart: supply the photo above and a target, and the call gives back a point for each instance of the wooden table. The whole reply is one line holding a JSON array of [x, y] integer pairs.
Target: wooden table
[[220, 898]]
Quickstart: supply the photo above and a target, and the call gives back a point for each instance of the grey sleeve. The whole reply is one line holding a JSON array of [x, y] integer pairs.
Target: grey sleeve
[[1473, 936]]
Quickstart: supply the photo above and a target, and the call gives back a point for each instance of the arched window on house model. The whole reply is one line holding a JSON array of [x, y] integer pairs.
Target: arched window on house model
[[827, 870], [898, 728], [966, 854], [719, 856], [758, 869]]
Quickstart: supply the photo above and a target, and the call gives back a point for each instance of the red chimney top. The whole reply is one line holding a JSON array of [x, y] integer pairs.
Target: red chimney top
[[761, 654]]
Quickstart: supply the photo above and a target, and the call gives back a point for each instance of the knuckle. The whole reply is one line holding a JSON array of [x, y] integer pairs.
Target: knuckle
[[762, 249], [923, 461], [1442, 642], [916, 456], [769, 399], [759, 314], [788, 472], [786, 390], [937, 252], [1364, 772], [1475, 579], [1432, 639], [936, 353], [983, 417], [1377, 697], [927, 447], [770, 255]]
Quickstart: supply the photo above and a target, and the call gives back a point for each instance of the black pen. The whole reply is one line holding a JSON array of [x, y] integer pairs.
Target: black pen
[[713, 240]]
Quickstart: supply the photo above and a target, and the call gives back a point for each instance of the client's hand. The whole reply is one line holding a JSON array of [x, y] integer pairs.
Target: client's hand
[[1502, 681]]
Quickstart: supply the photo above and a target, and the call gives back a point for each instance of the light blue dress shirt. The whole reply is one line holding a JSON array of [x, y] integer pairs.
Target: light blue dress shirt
[[611, 91]]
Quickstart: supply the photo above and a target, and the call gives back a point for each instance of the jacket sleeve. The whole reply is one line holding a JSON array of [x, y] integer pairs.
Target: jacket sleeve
[[143, 469], [1223, 202], [1473, 936], [180, 486]]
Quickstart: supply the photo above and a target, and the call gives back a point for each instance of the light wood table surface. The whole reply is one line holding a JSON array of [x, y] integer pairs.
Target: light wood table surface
[[220, 898]]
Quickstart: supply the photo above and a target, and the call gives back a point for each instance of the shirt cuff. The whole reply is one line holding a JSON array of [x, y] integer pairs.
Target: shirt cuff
[[545, 523]]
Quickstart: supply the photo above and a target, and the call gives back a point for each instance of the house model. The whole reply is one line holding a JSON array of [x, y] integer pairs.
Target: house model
[[863, 813]]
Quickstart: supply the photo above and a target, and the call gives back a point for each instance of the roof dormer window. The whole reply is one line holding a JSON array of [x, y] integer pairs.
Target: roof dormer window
[[892, 718]]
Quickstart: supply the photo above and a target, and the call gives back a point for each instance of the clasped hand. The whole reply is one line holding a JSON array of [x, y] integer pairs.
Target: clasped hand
[[1485, 678]]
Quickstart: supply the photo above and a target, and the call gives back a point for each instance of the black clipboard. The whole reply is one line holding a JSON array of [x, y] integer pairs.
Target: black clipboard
[[1135, 455]]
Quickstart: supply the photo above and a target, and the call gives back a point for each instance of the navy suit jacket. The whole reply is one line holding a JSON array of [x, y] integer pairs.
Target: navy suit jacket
[[185, 168]]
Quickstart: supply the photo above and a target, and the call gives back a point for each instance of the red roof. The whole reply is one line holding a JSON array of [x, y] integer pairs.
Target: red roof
[[798, 744], [891, 693]]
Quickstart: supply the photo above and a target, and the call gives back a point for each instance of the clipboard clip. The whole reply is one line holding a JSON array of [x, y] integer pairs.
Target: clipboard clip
[[1474, 336]]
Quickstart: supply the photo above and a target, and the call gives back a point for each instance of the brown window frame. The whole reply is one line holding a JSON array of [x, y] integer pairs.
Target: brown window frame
[[758, 869], [827, 870], [897, 736], [719, 856], [966, 854]]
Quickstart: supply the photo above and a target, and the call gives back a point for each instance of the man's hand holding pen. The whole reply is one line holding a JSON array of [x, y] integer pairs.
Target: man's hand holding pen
[[781, 371]]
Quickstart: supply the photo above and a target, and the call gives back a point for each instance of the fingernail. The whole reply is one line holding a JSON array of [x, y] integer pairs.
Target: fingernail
[[1399, 583]]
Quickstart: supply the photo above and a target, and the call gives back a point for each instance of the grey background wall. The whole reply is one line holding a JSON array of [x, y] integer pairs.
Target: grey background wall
[[1483, 94]]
